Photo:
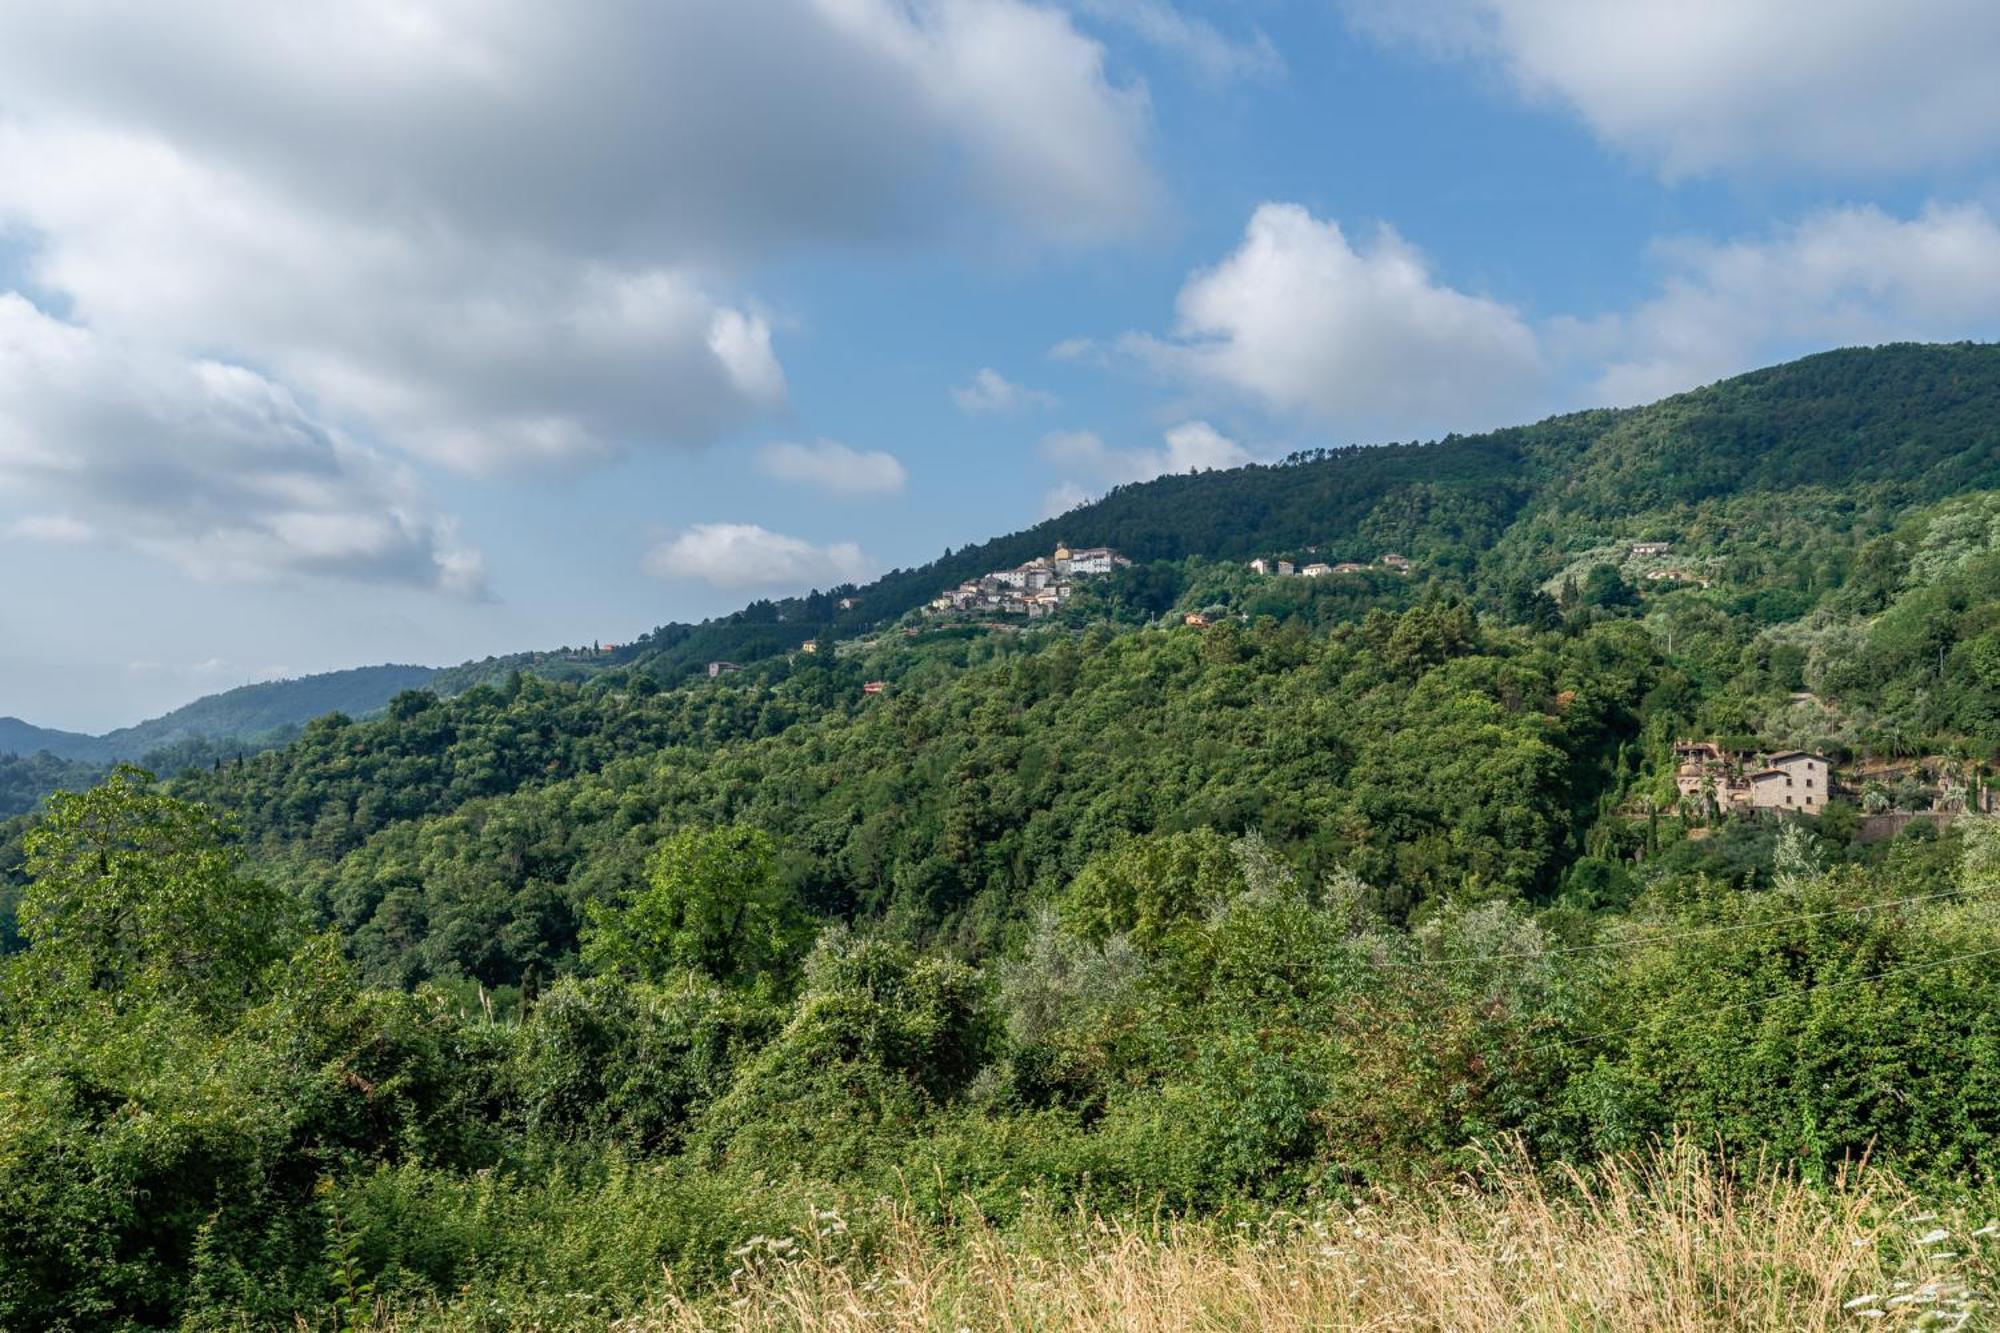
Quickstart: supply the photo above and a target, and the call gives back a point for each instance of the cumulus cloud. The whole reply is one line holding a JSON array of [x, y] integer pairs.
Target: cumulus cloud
[[834, 467], [743, 555], [1693, 85], [507, 234], [990, 391], [208, 465], [1843, 276], [478, 356], [1304, 321], [1366, 341]]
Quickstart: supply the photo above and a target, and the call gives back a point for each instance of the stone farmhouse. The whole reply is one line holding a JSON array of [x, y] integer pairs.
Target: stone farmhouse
[[1790, 780]]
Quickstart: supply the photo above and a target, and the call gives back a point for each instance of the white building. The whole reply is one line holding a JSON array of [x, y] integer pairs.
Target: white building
[[1095, 560]]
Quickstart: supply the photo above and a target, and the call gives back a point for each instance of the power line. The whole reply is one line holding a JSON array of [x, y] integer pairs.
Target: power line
[[1932, 965], [1698, 932]]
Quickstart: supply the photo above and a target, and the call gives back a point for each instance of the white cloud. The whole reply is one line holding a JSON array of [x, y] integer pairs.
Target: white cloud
[[1080, 351], [1063, 497], [834, 467], [505, 234], [990, 391], [1303, 321], [1842, 276], [1192, 446], [1368, 343], [1086, 466], [1052, 140], [1216, 56], [1693, 85], [208, 465], [1196, 446], [743, 555]]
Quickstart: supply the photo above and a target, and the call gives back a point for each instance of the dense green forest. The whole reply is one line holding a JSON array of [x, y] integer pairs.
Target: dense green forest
[[546, 994]]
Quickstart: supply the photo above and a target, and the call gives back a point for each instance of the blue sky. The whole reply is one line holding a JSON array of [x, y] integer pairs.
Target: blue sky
[[428, 329]]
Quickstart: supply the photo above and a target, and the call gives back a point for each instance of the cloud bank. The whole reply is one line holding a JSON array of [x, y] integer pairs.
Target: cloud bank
[[207, 465], [503, 234], [486, 237]]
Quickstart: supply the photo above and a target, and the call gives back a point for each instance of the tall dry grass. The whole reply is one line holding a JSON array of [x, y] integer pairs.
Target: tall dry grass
[[1670, 1241]]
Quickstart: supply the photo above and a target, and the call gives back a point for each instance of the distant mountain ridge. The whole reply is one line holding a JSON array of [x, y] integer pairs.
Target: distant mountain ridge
[[242, 714]]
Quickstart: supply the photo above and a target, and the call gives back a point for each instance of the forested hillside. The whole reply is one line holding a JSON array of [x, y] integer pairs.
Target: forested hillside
[[548, 1002], [1854, 436]]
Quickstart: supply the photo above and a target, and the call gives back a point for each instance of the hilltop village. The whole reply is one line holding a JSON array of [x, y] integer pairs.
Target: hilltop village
[[1036, 589]]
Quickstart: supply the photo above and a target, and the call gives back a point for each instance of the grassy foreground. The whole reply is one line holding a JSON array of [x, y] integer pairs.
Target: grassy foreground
[[1675, 1240]]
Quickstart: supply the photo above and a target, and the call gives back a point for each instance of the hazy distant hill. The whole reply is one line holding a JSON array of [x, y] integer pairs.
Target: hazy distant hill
[[240, 714]]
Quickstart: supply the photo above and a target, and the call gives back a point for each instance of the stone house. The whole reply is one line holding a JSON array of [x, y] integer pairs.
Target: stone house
[[1790, 780]]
